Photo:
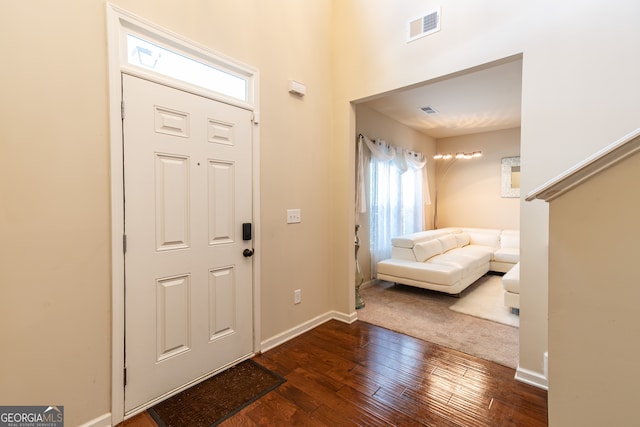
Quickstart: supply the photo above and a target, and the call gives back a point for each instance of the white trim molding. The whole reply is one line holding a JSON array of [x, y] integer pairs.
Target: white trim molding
[[345, 318], [285, 336], [533, 378], [101, 421], [610, 155]]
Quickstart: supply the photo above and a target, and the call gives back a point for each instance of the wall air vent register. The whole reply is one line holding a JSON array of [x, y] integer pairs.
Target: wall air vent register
[[428, 109], [423, 25]]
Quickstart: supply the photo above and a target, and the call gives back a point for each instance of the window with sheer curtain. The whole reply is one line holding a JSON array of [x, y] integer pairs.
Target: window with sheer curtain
[[395, 199]]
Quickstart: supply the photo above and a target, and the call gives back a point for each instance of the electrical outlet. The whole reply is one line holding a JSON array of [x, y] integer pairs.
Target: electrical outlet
[[297, 296], [293, 216]]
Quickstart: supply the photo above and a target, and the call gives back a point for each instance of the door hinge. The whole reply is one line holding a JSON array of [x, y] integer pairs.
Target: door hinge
[[124, 377], [122, 109], [124, 243]]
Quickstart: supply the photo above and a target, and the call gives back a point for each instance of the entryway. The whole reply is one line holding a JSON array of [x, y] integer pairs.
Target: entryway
[[187, 173], [185, 212]]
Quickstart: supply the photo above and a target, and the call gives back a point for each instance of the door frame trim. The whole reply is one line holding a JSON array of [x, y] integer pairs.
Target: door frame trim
[[118, 20]]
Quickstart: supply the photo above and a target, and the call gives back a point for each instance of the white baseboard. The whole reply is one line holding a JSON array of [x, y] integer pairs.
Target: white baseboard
[[533, 378], [101, 421], [345, 318], [285, 336]]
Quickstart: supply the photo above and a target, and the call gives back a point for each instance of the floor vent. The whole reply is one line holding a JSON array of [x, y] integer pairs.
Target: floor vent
[[424, 25]]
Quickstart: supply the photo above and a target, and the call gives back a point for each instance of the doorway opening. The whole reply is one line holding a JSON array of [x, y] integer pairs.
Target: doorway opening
[[473, 110]]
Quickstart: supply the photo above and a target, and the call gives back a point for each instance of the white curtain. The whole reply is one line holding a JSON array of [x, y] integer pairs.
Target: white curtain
[[395, 197]]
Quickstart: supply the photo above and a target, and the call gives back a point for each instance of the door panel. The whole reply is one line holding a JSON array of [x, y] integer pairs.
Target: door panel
[[189, 289], [221, 195], [172, 202], [222, 302], [172, 311]]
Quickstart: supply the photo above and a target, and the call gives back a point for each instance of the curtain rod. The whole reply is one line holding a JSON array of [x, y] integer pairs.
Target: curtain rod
[[411, 152]]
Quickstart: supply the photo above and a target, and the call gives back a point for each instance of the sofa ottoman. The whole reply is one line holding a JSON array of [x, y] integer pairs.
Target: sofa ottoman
[[511, 285]]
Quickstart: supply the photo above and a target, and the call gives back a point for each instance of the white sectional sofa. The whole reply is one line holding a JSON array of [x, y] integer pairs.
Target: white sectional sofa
[[511, 284], [449, 259]]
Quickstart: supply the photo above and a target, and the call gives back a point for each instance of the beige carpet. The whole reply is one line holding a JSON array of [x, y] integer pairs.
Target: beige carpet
[[486, 300], [426, 315]]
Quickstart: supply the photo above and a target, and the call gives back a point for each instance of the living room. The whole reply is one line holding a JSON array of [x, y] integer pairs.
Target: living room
[[456, 192], [468, 196]]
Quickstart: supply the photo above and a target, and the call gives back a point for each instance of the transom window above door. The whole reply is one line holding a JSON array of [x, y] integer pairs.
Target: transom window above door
[[152, 56]]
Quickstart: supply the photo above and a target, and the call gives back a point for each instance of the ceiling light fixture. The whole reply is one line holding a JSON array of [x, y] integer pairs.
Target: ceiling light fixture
[[458, 155]]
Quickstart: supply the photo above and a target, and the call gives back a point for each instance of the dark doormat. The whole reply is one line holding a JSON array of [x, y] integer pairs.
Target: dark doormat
[[216, 399]]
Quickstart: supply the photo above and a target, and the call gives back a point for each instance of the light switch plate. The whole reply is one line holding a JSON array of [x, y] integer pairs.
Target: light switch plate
[[293, 216]]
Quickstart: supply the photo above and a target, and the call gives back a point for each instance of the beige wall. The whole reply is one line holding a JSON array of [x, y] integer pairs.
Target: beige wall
[[559, 128], [568, 68], [55, 304], [469, 189], [580, 92], [593, 295], [375, 125], [294, 136], [55, 215]]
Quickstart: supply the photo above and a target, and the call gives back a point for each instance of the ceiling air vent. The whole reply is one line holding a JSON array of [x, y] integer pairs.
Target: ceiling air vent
[[428, 110], [424, 25]]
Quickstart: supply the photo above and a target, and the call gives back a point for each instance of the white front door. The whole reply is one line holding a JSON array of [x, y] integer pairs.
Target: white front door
[[189, 288]]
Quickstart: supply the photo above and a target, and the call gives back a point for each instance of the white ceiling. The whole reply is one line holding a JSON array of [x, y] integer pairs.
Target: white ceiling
[[479, 100]]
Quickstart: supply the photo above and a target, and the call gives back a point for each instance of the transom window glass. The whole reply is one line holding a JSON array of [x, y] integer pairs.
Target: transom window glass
[[159, 59]]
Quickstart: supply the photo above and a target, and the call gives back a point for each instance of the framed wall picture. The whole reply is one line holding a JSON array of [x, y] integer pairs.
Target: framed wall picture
[[510, 183]]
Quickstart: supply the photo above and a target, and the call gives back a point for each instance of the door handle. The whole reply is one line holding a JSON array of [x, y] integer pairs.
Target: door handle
[[247, 253]]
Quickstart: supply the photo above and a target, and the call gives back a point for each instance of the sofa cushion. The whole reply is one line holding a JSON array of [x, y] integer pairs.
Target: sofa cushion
[[425, 250], [448, 242], [402, 253], [484, 236], [511, 280], [469, 259], [409, 240], [510, 239], [483, 252], [511, 255], [453, 262], [462, 239]]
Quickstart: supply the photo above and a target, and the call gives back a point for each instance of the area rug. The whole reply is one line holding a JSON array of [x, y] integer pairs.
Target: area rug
[[485, 299], [426, 315], [217, 398]]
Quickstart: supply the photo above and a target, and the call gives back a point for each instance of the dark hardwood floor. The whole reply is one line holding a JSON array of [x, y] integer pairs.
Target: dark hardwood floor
[[364, 375]]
